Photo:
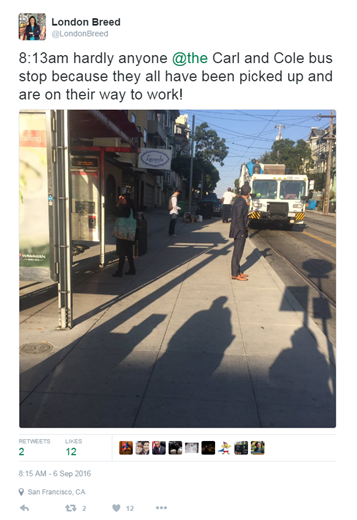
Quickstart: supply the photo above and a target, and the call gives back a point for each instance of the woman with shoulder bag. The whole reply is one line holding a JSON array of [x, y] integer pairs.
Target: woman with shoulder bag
[[125, 209]]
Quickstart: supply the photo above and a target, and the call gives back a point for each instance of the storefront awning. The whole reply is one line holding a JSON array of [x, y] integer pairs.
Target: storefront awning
[[88, 124]]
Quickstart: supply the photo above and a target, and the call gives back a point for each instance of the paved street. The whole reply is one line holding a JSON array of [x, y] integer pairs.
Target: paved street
[[178, 345], [311, 249]]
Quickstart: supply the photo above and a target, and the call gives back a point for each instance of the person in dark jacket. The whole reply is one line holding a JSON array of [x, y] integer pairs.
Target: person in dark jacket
[[125, 247], [33, 29], [239, 231]]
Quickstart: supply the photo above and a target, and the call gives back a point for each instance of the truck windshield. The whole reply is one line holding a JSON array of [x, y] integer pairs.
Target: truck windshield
[[292, 189], [265, 189]]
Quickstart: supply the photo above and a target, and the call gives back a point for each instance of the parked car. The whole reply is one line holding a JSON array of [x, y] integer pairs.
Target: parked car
[[217, 203]]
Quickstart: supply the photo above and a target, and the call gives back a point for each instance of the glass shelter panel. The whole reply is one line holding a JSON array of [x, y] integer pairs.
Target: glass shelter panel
[[85, 205], [35, 200]]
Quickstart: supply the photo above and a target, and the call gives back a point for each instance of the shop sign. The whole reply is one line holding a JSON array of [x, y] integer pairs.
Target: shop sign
[[155, 159]]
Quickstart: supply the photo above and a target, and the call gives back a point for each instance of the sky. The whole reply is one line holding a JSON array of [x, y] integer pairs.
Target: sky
[[250, 133]]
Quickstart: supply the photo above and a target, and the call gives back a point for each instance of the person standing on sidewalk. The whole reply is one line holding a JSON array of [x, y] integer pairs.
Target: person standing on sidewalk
[[174, 209], [239, 231], [227, 198], [124, 207]]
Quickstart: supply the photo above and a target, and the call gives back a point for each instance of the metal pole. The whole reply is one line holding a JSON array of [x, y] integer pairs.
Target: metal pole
[[279, 137], [65, 299], [102, 210], [68, 202], [329, 163], [330, 138], [191, 164]]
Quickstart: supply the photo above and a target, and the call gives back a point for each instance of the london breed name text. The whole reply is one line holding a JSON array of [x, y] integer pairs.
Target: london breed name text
[[82, 23]]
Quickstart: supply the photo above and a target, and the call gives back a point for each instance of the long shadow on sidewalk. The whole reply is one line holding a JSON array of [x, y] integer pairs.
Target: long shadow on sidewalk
[[176, 256], [85, 270], [299, 394], [40, 377], [111, 378], [194, 383]]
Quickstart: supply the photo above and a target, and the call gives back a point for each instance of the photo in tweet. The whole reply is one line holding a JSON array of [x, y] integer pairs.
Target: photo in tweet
[[177, 273]]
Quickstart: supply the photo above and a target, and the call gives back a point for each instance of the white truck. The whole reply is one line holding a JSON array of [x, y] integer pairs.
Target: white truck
[[275, 195]]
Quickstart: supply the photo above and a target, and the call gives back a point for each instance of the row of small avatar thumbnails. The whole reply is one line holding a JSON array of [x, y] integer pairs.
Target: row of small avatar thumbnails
[[178, 448]]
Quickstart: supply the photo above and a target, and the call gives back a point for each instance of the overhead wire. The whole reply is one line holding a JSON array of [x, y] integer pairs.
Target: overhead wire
[[237, 136]]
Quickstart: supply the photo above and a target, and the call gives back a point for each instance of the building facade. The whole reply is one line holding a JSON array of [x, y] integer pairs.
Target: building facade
[[150, 188], [319, 146]]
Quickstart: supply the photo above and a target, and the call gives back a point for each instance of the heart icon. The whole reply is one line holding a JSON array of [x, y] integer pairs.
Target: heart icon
[[116, 507]]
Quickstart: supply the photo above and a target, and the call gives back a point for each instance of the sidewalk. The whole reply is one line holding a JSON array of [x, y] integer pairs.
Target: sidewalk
[[178, 345], [315, 212]]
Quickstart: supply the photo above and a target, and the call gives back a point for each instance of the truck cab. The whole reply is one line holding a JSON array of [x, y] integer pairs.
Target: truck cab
[[276, 196]]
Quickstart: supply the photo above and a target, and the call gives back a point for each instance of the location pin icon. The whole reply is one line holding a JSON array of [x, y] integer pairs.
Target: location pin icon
[[21, 491]]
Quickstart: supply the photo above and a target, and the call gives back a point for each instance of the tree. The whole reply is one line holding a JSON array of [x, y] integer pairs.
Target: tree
[[210, 176], [209, 146], [201, 168], [296, 156], [210, 149]]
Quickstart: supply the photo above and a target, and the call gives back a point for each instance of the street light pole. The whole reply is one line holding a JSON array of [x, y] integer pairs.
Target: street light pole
[[191, 164]]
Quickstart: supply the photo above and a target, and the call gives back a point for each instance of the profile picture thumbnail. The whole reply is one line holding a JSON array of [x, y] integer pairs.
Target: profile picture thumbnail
[[159, 448], [241, 448], [142, 448], [225, 448], [257, 447], [208, 448], [175, 447], [32, 26], [191, 447], [125, 448]]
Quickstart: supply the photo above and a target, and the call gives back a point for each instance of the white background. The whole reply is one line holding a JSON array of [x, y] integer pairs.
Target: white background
[[270, 489]]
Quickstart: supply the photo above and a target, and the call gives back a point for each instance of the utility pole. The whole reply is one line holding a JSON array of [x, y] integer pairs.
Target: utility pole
[[279, 137], [330, 139], [191, 164]]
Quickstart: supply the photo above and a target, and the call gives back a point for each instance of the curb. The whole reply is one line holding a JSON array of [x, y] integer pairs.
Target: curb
[[333, 215]]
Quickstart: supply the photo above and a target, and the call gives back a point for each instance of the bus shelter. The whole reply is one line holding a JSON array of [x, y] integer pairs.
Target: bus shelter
[[62, 194]]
